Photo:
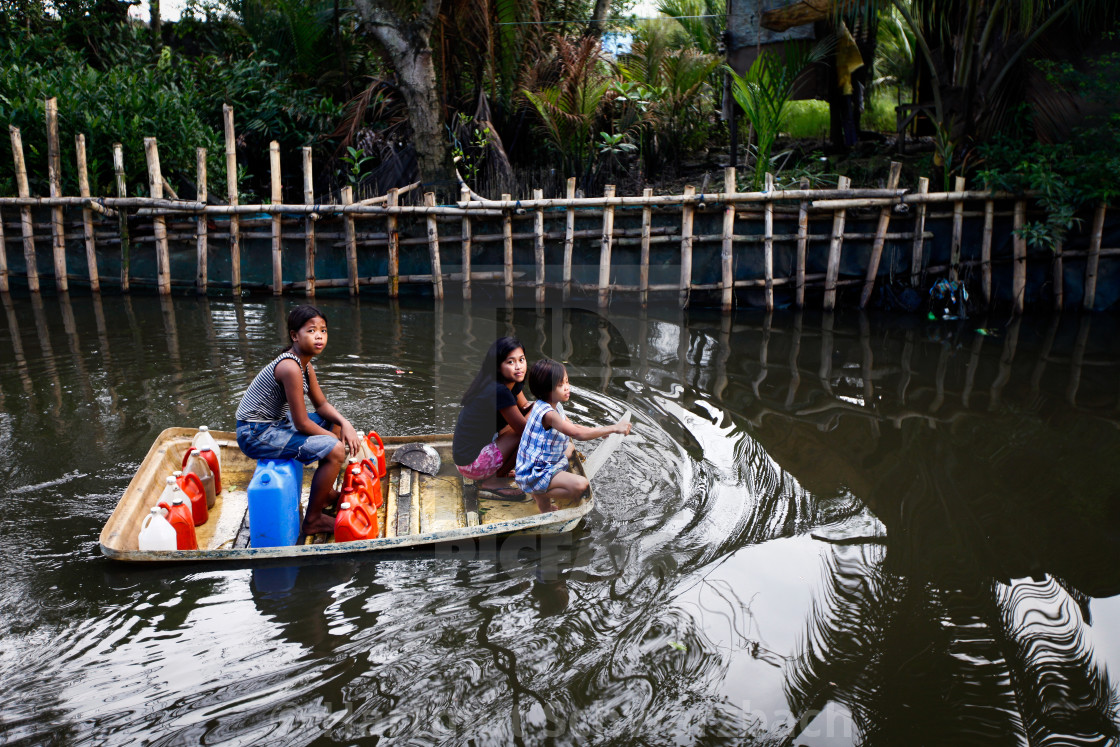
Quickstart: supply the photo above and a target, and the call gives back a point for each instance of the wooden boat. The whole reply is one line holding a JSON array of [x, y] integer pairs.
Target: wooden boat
[[417, 510]]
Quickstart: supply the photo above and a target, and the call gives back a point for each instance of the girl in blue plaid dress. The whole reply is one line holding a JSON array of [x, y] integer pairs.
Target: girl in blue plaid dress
[[542, 457]]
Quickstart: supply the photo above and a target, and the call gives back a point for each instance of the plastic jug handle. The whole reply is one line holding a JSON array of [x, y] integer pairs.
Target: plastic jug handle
[[147, 520], [192, 477], [363, 511], [373, 434]]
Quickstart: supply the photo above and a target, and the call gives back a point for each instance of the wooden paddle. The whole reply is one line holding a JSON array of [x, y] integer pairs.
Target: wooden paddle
[[599, 457]]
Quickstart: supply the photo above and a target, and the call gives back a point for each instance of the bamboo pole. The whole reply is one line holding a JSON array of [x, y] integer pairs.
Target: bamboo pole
[[606, 245], [569, 236], [87, 214], [1093, 260], [507, 250], [538, 246], [202, 242], [1059, 278], [834, 249], [433, 247], [727, 247], [673, 201], [986, 252], [122, 216], [277, 199], [465, 195], [880, 239], [351, 242], [768, 245], [25, 213], [394, 245], [232, 197], [917, 256], [54, 177], [1019, 265], [643, 268], [309, 248], [687, 211], [958, 232], [802, 244], [159, 227]]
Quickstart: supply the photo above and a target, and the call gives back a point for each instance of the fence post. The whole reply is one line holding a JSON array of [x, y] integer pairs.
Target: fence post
[[606, 244], [122, 215], [834, 248], [538, 246], [465, 196], [159, 225], [1019, 260], [351, 242], [986, 252], [87, 214], [507, 249], [232, 197], [3, 257], [917, 255], [277, 198], [726, 255], [958, 231], [688, 209], [768, 242], [880, 239], [433, 246], [54, 177], [802, 244], [308, 223], [394, 243], [1092, 261], [643, 261], [25, 211], [202, 237], [569, 237]]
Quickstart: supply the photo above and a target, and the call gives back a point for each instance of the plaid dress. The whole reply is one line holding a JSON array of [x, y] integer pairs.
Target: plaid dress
[[541, 453]]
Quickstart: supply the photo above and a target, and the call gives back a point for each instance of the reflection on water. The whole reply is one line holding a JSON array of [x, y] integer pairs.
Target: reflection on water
[[824, 530]]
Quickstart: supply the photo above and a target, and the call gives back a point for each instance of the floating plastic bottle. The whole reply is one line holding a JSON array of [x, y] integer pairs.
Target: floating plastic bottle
[[156, 533], [180, 517], [194, 463], [274, 503], [204, 439], [355, 521], [195, 493], [377, 446]]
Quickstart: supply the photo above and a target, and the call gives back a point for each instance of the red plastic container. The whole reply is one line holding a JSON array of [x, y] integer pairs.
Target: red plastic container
[[212, 460], [355, 521], [377, 446], [195, 492], [354, 487], [179, 514], [369, 469]]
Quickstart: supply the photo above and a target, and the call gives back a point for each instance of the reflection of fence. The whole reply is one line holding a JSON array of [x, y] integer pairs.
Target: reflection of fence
[[789, 241]]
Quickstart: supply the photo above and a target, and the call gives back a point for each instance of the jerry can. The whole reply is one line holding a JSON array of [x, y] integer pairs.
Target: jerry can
[[274, 503]]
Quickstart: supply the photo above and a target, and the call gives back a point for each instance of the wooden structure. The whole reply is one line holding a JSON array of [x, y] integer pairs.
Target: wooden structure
[[769, 246], [418, 509]]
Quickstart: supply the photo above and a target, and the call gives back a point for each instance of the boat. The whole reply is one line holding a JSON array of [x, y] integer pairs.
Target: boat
[[418, 509]]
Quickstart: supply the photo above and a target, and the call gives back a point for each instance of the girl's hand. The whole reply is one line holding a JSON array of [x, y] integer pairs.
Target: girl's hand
[[351, 438], [623, 428]]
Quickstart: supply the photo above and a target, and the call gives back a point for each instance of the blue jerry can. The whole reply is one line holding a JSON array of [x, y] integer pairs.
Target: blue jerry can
[[274, 503]]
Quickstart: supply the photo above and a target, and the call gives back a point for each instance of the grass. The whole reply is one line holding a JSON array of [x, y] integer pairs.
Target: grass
[[809, 119]]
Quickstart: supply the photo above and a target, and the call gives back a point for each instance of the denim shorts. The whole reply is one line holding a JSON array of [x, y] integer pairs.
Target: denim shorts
[[281, 440]]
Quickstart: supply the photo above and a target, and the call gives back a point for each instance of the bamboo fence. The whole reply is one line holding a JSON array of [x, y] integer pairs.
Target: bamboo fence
[[105, 222]]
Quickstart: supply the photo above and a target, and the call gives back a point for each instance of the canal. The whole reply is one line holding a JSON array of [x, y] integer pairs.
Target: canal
[[822, 531]]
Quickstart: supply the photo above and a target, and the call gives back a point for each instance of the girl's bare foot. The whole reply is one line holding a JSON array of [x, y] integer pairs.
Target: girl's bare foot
[[318, 526]]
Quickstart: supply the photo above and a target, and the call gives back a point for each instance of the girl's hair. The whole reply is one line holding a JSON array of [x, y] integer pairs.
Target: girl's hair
[[545, 375], [300, 316], [490, 371]]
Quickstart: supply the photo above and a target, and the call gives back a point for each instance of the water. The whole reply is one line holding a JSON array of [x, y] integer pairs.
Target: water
[[860, 530]]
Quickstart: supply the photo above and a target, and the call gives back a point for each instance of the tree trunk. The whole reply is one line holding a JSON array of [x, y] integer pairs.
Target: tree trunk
[[599, 18], [407, 45], [156, 25]]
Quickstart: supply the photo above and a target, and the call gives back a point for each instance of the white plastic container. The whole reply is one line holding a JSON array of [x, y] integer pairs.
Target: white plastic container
[[156, 533], [204, 439]]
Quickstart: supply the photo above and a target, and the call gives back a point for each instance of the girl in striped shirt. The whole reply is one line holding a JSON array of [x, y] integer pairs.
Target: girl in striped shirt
[[273, 422], [542, 457]]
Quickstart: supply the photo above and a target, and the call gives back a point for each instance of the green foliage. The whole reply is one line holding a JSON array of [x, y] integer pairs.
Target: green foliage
[[764, 92], [468, 155], [356, 162]]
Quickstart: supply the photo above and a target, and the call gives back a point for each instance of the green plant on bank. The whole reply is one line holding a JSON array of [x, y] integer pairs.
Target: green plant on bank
[[468, 156], [611, 148], [356, 162], [764, 92]]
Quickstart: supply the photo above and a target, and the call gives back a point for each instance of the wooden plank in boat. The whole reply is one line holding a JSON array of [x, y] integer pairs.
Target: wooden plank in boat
[[470, 502], [403, 516]]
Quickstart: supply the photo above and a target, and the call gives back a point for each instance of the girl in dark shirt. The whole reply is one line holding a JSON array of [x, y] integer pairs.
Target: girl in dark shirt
[[489, 428]]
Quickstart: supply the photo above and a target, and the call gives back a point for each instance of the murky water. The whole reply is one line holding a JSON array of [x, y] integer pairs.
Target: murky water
[[823, 531]]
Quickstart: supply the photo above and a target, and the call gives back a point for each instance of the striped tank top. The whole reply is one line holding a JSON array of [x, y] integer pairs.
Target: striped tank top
[[264, 400]]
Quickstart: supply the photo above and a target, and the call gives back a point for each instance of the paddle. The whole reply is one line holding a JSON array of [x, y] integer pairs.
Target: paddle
[[599, 457]]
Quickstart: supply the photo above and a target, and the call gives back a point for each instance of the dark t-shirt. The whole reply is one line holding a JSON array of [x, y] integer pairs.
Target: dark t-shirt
[[479, 420]]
